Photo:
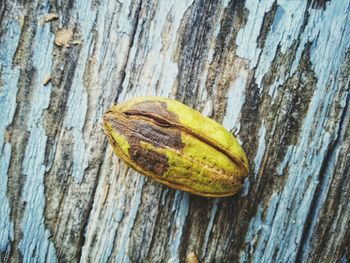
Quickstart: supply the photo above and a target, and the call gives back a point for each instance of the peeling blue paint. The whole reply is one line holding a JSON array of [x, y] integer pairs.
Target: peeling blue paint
[[35, 244], [6, 225], [106, 217], [247, 36], [235, 100], [329, 29], [280, 168], [9, 76], [164, 195], [78, 97], [261, 149], [122, 254], [246, 186], [212, 215], [278, 17], [107, 242], [180, 207], [259, 232], [319, 202], [250, 238], [154, 62]]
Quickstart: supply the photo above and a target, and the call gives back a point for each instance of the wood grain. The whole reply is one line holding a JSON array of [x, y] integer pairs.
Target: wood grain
[[275, 73]]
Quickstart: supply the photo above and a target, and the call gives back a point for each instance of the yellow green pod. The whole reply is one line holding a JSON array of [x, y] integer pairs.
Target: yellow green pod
[[177, 146]]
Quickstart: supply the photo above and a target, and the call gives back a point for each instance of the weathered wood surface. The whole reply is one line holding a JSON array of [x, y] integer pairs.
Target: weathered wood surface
[[276, 73]]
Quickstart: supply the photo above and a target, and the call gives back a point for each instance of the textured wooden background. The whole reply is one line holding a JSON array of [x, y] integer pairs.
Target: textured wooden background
[[276, 73]]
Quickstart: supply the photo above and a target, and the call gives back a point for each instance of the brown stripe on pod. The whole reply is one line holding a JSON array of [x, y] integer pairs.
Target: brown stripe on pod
[[159, 136], [153, 109], [116, 120], [148, 159], [138, 129], [146, 131]]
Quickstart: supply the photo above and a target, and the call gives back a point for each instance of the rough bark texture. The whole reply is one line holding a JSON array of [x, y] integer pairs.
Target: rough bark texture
[[276, 73]]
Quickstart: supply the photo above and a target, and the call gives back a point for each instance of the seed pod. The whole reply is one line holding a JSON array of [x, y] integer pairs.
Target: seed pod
[[176, 145]]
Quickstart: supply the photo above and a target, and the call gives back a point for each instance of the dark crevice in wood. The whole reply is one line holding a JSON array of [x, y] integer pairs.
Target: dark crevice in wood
[[142, 237], [3, 8], [339, 191], [212, 234], [294, 96], [23, 55], [87, 212], [324, 172], [344, 249], [303, 26], [56, 214], [193, 46], [56, 177], [194, 219], [319, 4], [162, 227], [65, 10], [225, 64], [61, 85], [143, 26], [132, 41], [186, 235], [267, 23], [157, 222], [18, 129], [189, 228], [236, 15]]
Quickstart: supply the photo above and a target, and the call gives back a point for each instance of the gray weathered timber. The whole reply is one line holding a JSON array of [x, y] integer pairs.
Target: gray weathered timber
[[275, 73]]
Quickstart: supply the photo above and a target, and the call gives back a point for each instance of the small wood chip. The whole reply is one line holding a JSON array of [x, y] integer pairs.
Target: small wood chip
[[46, 80], [50, 17], [64, 37]]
